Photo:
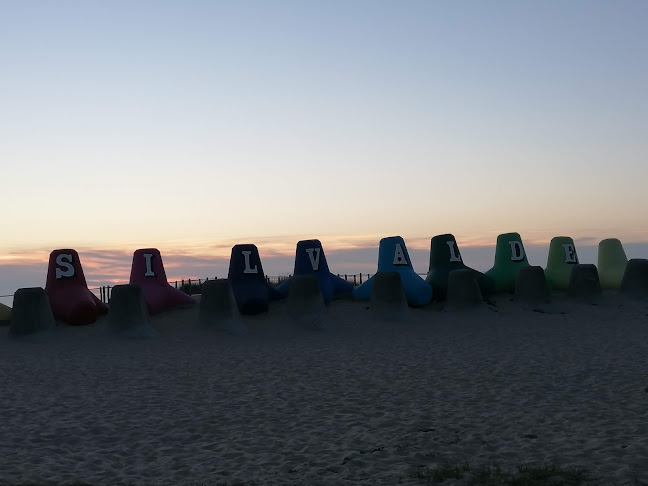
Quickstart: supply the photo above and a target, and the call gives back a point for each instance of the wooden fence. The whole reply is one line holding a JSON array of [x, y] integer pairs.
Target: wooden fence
[[193, 286]]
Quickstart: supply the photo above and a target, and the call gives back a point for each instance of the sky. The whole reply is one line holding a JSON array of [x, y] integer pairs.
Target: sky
[[193, 126]]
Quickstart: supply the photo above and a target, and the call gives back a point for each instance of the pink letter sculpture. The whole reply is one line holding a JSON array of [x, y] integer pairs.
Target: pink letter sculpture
[[148, 272], [67, 290]]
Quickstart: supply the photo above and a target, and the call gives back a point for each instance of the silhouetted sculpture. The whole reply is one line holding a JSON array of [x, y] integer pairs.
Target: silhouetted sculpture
[[31, 312], [584, 283], [5, 313], [635, 279], [305, 302], [388, 300], [218, 308], [463, 291], [531, 286], [128, 314]]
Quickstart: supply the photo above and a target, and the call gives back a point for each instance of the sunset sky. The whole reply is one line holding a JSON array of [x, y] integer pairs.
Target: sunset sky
[[193, 126]]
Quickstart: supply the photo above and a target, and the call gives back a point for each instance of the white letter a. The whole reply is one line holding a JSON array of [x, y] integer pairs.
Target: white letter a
[[399, 256]]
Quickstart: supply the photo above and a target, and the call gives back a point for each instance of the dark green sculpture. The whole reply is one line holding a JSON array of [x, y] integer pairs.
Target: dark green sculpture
[[444, 258], [510, 257]]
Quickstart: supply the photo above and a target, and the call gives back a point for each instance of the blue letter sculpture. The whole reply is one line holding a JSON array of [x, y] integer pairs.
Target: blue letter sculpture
[[251, 290], [393, 257], [310, 259]]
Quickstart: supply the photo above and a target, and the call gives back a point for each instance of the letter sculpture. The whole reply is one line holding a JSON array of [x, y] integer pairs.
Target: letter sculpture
[[393, 257], [560, 261], [251, 290], [67, 290], [510, 257], [444, 258], [310, 259], [147, 271]]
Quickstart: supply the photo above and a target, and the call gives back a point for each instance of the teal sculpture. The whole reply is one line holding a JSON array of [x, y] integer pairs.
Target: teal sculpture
[[393, 257]]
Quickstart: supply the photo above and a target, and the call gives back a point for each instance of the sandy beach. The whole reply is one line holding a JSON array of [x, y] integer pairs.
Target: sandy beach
[[367, 402]]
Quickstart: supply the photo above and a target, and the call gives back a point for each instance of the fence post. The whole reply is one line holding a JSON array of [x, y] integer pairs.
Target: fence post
[[360, 278], [354, 280]]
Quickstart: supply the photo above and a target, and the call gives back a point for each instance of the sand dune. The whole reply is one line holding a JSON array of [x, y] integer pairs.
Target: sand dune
[[365, 403]]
